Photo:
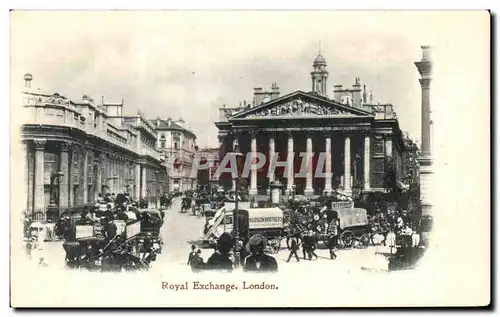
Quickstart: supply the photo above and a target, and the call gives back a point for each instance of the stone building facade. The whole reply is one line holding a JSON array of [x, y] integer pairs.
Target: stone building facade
[[208, 157], [76, 149], [358, 137], [177, 145]]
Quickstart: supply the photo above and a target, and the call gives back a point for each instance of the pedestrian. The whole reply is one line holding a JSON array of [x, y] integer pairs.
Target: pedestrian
[[294, 247], [333, 239], [191, 254], [305, 243], [258, 261], [312, 246], [220, 260], [196, 262]]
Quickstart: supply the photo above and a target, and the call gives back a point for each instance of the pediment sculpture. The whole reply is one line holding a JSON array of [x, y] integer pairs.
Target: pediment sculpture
[[298, 107], [56, 100]]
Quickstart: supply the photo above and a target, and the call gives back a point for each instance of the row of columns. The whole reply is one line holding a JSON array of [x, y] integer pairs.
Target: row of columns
[[347, 186], [66, 190]]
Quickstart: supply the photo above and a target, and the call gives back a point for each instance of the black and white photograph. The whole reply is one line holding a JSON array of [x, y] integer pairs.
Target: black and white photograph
[[249, 158]]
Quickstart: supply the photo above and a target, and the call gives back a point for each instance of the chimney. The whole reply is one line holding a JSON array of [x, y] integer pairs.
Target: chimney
[[169, 122], [27, 80], [275, 91], [157, 121], [258, 95], [356, 93], [337, 93], [364, 94]]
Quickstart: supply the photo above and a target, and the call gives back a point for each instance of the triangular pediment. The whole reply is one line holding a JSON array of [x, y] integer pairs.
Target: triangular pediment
[[300, 104]]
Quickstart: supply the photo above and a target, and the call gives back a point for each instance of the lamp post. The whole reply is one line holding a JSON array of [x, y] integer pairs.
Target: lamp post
[[237, 155]]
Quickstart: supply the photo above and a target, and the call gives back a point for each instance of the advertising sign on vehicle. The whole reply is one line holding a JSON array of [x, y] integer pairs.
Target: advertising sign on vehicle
[[263, 218], [84, 231], [133, 229]]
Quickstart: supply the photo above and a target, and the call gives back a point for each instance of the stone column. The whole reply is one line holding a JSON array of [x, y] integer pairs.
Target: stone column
[[347, 166], [289, 170], [137, 180], [39, 182], [366, 163], [71, 178], [328, 164], [98, 189], [26, 169], [64, 180], [253, 176], [235, 141], [143, 181], [86, 176], [309, 191], [87, 156], [424, 67], [388, 148], [272, 150]]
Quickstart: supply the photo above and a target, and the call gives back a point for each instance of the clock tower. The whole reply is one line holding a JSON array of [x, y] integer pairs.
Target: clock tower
[[319, 76]]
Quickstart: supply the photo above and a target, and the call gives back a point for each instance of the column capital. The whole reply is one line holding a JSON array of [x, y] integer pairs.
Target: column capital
[[252, 133], [425, 83], [65, 146], [40, 144]]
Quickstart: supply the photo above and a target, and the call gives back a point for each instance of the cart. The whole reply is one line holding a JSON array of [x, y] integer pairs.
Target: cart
[[353, 227]]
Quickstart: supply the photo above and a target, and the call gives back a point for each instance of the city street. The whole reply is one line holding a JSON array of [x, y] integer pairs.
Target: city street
[[357, 269], [181, 230]]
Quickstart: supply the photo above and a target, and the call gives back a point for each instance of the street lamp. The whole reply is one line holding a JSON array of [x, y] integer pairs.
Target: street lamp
[[238, 156]]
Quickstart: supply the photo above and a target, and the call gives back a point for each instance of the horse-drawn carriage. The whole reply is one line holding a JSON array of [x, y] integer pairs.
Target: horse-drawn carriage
[[186, 204], [151, 222], [114, 245]]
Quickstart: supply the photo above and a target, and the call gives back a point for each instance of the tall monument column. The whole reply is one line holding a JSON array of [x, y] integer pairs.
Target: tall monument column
[[424, 67]]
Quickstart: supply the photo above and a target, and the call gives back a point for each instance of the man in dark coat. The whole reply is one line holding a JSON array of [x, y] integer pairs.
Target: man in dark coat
[[305, 243], [220, 260], [294, 247], [197, 262], [191, 254], [111, 229], [258, 261]]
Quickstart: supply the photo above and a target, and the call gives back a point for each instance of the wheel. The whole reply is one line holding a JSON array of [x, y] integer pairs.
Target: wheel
[[347, 238]]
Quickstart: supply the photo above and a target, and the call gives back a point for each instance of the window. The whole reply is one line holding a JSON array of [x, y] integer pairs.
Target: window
[[162, 144], [162, 135], [176, 145]]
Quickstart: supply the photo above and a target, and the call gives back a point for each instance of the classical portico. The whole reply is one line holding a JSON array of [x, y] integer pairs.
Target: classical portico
[[329, 141], [341, 144]]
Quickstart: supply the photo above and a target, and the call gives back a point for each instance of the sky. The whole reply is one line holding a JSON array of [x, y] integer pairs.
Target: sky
[[188, 64]]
